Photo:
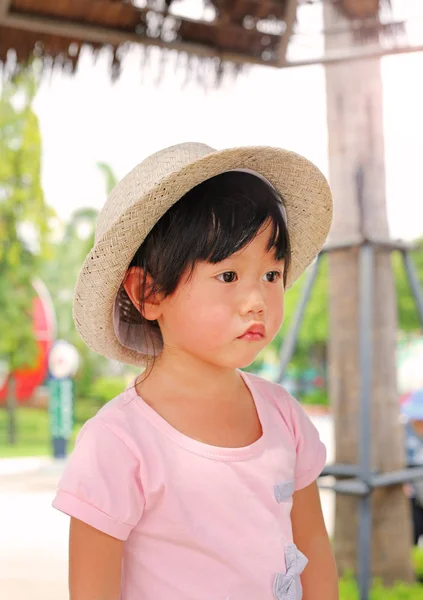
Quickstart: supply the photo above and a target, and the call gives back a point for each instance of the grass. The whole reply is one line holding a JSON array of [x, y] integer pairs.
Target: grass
[[348, 590], [32, 434], [418, 562]]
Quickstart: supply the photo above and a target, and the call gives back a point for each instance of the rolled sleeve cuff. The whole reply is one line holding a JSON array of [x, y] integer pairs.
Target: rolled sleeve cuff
[[74, 507], [307, 478]]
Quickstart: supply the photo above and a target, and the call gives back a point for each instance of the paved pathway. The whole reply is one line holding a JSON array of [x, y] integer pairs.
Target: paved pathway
[[33, 538]]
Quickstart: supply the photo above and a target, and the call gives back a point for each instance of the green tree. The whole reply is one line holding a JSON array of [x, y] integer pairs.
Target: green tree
[[310, 349], [408, 317], [23, 224], [110, 178], [315, 325], [60, 272]]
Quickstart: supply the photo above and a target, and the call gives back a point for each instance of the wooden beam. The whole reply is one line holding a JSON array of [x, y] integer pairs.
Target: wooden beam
[[290, 16], [4, 7], [354, 26], [89, 33], [354, 56]]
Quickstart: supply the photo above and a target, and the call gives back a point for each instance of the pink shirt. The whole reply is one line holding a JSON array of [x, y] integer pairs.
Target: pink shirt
[[199, 522]]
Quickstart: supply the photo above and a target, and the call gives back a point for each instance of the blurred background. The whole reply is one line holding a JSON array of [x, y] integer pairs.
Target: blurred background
[[88, 90]]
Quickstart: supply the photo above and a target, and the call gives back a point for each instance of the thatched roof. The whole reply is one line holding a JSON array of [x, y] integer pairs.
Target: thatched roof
[[240, 31], [230, 31]]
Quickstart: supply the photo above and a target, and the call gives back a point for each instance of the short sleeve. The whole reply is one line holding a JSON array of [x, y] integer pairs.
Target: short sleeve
[[101, 482], [311, 452]]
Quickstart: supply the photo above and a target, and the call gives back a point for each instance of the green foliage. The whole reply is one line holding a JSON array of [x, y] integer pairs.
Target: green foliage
[[317, 397], [315, 326], [109, 176], [310, 349], [60, 273], [418, 561], [60, 270], [34, 434], [84, 409], [100, 391], [408, 318], [348, 590], [313, 334], [23, 217], [106, 388]]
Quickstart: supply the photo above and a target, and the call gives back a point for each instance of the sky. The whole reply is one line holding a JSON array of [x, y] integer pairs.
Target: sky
[[86, 118]]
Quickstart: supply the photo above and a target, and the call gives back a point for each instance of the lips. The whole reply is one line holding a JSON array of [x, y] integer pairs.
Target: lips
[[254, 333]]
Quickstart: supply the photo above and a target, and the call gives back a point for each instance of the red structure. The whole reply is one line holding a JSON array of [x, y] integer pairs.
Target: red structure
[[44, 322]]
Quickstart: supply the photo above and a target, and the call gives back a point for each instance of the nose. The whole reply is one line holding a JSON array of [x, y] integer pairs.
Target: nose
[[252, 302]]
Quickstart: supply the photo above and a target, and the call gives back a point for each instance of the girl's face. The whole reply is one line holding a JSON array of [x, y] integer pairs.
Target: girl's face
[[225, 313]]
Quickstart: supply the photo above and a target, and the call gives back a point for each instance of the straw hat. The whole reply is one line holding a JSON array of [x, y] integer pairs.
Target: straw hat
[[149, 190]]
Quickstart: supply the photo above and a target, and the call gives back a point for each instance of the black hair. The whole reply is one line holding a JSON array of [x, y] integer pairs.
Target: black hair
[[210, 223]]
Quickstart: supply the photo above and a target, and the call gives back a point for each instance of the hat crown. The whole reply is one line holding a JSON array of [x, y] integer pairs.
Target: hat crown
[[144, 177]]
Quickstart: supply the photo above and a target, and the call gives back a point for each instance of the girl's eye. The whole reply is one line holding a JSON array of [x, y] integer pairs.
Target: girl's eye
[[272, 276], [227, 277]]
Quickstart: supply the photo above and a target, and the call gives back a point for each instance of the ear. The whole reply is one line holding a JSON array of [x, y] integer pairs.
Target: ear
[[133, 287]]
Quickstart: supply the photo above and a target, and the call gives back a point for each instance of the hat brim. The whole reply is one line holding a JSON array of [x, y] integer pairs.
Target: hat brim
[[308, 203]]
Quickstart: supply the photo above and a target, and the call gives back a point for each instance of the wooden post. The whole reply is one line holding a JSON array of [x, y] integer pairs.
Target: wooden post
[[357, 175]]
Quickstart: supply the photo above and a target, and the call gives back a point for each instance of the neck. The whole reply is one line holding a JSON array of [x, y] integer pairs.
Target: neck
[[192, 375]]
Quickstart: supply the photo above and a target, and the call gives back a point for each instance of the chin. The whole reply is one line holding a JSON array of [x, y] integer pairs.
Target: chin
[[244, 364], [233, 362], [244, 361], [234, 358]]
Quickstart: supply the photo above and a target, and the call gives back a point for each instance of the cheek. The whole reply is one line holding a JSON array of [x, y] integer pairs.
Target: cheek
[[276, 309], [201, 311], [211, 313]]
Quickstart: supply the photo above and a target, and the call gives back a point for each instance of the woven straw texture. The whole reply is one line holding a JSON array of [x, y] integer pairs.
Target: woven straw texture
[[150, 189]]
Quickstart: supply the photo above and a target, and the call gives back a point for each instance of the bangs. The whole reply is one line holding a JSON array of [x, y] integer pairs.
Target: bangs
[[233, 215], [214, 220]]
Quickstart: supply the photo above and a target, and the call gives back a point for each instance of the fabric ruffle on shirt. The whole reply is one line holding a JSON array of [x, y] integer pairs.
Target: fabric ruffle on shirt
[[287, 586], [283, 491]]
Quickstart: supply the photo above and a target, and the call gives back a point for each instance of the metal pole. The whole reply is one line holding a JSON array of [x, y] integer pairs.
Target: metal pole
[[414, 282], [366, 260], [288, 345]]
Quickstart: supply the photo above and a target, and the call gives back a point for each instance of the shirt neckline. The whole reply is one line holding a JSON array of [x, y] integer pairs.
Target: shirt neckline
[[201, 448]]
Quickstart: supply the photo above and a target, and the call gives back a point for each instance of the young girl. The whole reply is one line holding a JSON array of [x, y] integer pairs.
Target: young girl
[[198, 482]]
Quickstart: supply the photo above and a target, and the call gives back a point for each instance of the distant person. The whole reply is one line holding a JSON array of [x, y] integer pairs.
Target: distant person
[[199, 480], [413, 410]]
